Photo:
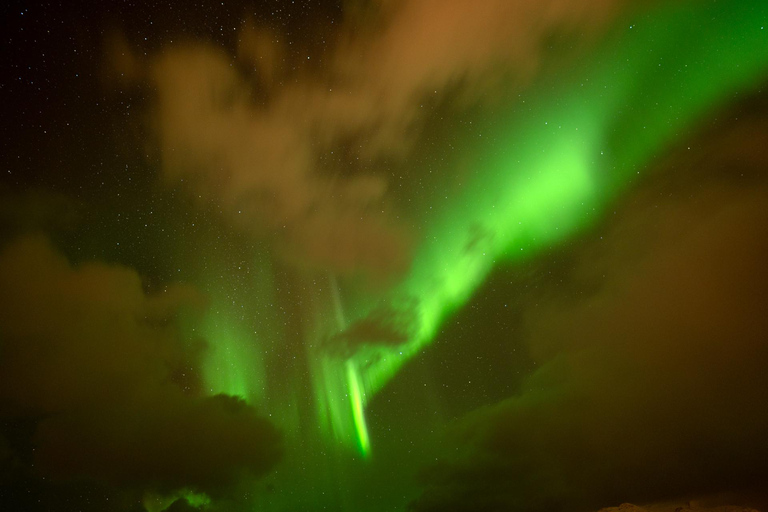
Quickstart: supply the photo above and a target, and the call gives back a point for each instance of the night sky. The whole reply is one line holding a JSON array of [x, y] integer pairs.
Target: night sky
[[382, 255]]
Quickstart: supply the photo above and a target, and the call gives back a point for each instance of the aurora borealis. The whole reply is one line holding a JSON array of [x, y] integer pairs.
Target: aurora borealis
[[384, 255], [547, 182]]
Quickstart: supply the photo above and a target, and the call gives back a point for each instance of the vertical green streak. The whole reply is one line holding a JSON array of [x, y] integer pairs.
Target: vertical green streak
[[562, 161], [238, 326], [357, 401], [233, 365]]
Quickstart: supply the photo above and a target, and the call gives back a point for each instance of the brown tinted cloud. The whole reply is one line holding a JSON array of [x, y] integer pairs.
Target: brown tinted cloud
[[296, 149], [652, 388], [101, 370]]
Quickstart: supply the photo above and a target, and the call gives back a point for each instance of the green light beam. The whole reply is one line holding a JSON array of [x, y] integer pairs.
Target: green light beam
[[357, 400]]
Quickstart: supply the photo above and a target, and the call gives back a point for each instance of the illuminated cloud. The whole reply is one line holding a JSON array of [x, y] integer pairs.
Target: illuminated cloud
[[297, 152]]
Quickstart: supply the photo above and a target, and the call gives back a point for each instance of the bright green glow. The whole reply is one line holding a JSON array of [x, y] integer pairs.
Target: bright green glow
[[197, 500], [566, 158], [356, 398], [334, 409], [237, 325], [232, 364], [521, 214]]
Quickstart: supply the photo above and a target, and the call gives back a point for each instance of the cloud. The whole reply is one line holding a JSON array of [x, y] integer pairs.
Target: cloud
[[424, 48], [257, 165], [109, 387], [166, 443], [296, 149], [650, 388], [382, 326]]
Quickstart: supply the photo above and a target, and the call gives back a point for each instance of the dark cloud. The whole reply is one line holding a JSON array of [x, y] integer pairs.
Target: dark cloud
[[166, 443], [85, 335], [109, 386], [382, 326], [650, 388]]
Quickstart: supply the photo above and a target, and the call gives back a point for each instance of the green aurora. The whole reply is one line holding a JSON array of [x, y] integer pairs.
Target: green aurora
[[566, 158], [549, 174], [580, 322]]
